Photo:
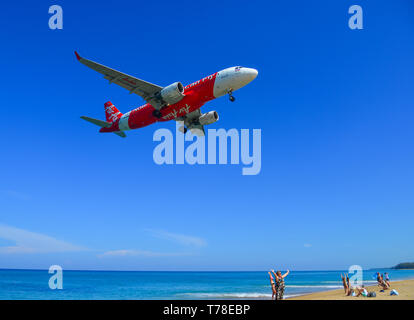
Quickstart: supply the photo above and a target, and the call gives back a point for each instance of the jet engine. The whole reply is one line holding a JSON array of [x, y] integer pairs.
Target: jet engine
[[172, 93], [208, 118]]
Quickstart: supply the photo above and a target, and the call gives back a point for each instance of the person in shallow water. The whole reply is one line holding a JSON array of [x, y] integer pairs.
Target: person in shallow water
[[280, 284]]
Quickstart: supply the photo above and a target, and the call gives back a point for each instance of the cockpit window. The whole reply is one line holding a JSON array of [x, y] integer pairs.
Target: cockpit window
[[237, 68]]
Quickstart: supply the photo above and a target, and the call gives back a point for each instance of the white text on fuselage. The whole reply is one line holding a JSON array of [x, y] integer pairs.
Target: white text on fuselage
[[198, 81], [174, 113]]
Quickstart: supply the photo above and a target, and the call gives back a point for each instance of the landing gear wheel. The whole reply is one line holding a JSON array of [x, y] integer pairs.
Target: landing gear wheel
[[230, 93], [185, 130], [157, 114]]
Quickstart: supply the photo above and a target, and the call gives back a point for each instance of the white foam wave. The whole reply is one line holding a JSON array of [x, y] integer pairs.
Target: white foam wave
[[234, 295], [314, 286], [365, 282], [229, 295]]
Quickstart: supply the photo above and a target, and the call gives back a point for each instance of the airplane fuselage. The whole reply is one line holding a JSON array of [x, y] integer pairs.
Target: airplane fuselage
[[196, 95]]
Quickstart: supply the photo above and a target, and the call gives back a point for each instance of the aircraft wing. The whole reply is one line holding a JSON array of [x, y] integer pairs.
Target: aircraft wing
[[140, 87], [191, 122]]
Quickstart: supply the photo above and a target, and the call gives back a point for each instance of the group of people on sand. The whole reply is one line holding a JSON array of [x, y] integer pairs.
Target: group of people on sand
[[278, 284], [356, 291], [353, 291], [383, 280], [277, 281]]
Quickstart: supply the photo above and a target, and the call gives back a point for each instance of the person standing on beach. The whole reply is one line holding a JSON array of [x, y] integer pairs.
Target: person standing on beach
[[345, 283], [272, 283], [280, 283], [387, 279]]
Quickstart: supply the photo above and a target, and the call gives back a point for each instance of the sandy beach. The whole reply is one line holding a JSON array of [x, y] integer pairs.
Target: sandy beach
[[405, 289]]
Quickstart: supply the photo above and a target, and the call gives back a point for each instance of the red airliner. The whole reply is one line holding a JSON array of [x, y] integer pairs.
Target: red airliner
[[173, 102]]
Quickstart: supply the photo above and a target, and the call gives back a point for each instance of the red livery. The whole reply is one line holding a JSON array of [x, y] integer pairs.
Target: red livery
[[174, 102]]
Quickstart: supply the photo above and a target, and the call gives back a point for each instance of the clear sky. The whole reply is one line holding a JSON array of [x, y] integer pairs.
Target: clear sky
[[335, 107]]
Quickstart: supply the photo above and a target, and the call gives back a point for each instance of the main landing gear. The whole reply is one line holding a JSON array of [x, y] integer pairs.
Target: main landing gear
[[157, 113], [183, 129], [231, 97]]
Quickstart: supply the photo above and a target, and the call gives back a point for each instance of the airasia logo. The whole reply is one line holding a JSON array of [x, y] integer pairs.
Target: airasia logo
[[174, 113], [111, 114]]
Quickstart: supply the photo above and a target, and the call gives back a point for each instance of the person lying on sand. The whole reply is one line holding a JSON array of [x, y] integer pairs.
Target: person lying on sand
[[280, 283], [347, 287], [272, 283], [361, 291]]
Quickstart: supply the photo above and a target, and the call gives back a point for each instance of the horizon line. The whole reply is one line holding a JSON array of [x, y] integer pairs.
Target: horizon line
[[103, 270]]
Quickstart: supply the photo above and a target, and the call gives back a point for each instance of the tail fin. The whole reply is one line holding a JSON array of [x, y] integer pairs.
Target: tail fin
[[111, 112]]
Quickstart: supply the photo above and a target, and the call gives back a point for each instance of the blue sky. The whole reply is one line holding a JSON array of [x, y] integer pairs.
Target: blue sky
[[335, 107]]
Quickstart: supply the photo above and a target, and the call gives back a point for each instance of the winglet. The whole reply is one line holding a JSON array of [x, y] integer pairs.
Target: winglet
[[77, 56]]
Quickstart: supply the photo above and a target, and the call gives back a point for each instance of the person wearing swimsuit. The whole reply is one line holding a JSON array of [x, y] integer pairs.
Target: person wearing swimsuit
[[380, 282], [273, 284], [344, 282], [387, 279], [280, 284]]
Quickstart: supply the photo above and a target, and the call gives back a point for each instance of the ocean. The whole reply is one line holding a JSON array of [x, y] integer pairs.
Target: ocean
[[33, 284]]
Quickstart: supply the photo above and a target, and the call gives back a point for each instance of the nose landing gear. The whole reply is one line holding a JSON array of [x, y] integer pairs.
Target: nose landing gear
[[231, 97]]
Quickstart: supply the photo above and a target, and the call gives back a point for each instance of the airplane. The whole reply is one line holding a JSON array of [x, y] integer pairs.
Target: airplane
[[173, 102]]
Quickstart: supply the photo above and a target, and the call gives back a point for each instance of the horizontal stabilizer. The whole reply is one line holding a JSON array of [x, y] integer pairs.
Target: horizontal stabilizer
[[97, 122], [120, 133]]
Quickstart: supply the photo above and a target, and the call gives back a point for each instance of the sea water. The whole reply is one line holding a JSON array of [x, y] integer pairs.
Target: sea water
[[33, 284]]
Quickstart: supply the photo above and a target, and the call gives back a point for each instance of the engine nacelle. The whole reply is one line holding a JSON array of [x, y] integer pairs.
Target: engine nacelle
[[208, 118], [172, 93]]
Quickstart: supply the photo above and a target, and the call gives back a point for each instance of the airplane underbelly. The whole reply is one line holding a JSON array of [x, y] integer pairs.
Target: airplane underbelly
[[177, 111]]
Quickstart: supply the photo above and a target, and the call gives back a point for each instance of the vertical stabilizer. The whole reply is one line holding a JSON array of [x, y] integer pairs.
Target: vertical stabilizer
[[111, 112]]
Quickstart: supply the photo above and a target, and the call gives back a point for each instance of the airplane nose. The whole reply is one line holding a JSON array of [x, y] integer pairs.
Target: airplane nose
[[232, 79], [251, 73]]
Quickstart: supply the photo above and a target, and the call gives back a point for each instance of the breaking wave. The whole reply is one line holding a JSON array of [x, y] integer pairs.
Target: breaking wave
[[314, 286], [233, 295], [228, 295]]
